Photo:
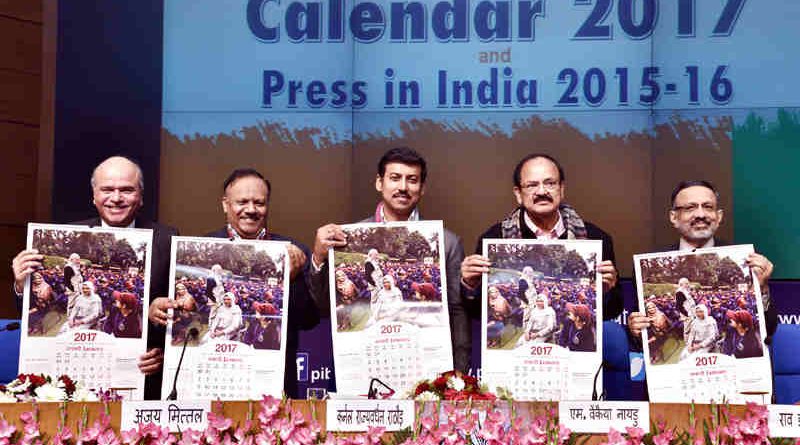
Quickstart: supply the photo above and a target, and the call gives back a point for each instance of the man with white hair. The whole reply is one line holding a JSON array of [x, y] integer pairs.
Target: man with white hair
[[685, 303], [214, 285], [215, 288], [373, 272], [526, 286], [72, 279], [117, 187], [683, 292]]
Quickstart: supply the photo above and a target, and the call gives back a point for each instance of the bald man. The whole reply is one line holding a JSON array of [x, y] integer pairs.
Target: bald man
[[117, 187]]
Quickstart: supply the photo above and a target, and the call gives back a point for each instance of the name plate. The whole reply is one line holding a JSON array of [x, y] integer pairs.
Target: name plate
[[358, 415], [784, 420], [598, 417], [177, 415]]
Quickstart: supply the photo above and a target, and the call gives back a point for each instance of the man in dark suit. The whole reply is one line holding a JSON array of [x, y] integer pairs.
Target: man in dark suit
[[539, 188], [245, 202], [401, 183], [696, 215], [117, 186]]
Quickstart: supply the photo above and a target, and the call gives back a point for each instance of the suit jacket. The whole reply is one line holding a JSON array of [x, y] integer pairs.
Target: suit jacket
[[460, 327], [159, 261], [159, 287], [677, 246], [303, 313]]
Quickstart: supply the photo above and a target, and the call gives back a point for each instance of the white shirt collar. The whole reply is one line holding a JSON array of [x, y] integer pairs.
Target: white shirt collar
[[414, 216], [558, 230], [683, 245], [104, 224]]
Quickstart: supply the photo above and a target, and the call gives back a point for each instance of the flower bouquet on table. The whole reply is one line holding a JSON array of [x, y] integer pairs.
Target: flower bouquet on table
[[455, 408], [453, 386], [44, 388]]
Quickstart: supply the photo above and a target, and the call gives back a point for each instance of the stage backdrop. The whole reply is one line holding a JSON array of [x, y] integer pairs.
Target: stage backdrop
[[631, 95]]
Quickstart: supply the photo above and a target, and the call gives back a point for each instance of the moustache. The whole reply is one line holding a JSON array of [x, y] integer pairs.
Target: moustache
[[401, 194], [703, 220], [542, 198]]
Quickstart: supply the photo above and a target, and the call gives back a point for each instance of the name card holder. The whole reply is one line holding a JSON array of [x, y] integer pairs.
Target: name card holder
[[784, 420], [597, 417], [358, 415], [178, 415]]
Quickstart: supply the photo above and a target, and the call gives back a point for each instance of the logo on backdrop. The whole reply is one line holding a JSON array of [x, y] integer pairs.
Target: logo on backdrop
[[302, 366], [306, 374]]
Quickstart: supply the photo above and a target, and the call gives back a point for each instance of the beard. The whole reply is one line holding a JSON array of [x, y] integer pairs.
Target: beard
[[703, 234]]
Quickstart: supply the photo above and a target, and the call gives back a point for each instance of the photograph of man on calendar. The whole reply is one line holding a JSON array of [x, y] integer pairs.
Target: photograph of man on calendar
[[542, 293], [389, 301], [386, 274], [228, 291], [90, 280], [699, 303], [706, 326], [229, 312], [84, 309]]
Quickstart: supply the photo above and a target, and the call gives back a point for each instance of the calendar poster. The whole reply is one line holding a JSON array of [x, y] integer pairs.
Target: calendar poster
[[85, 310], [389, 303], [706, 336], [542, 325], [230, 300]]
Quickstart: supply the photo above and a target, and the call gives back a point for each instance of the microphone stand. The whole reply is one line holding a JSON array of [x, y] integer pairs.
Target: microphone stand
[[189, 335], [594, 384]]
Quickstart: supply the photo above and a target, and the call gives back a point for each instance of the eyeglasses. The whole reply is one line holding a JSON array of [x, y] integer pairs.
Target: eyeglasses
[[549, 185], [690, 208]]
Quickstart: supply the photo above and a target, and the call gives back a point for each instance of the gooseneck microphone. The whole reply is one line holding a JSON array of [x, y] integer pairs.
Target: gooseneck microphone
[[13, 326], [594, 384], [191, 335]]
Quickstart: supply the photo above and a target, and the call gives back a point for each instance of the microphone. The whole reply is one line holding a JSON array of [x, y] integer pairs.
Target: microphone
[[13, 326], [594, 384], [375, 386], [191, 335]]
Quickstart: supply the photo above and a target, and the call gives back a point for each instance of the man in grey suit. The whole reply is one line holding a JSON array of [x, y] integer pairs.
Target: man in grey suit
[[401, 184]]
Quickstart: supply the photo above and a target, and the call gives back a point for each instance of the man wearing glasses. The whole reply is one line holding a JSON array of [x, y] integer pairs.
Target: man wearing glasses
[[696, 215], [541, 214]]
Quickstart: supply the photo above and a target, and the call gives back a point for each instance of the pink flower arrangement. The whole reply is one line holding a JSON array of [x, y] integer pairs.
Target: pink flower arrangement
[[457, 423], [721, 429], [437, 423]]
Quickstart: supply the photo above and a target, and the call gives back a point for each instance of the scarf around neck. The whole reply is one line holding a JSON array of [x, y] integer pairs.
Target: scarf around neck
[[576, 229]]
